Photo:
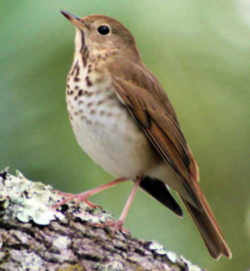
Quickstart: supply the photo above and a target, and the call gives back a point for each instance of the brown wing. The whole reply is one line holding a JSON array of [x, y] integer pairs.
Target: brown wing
[[144, 98], [140, 91]]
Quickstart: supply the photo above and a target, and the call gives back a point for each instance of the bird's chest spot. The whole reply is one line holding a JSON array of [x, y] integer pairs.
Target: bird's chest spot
[[92, 104]]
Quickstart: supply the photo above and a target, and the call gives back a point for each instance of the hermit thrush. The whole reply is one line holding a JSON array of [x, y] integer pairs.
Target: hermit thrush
[[123, 119]]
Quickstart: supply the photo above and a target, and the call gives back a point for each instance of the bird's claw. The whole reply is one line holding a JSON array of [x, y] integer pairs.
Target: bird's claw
[[114, 226], [82, 197]]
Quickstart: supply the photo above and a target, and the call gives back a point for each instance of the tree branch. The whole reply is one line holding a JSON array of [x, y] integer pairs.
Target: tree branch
[[34, 236]]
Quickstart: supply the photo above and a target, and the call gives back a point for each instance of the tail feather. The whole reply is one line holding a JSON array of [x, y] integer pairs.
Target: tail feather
[[159, 191], [207, 225]]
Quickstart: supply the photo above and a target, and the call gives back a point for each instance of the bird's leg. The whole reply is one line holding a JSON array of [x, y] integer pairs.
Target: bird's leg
[[118, 225], [85, 195]]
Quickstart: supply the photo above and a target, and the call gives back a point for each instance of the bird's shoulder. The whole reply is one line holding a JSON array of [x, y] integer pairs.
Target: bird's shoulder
[[141, 78]]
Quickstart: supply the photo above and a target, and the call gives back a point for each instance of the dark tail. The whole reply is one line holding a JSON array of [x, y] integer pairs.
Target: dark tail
[[159, 191]]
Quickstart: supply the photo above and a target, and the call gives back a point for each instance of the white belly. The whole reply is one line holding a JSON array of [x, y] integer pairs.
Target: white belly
[[106, 132]]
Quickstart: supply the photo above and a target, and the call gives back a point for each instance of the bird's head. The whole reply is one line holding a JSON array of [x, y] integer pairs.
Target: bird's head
[[99, 32]]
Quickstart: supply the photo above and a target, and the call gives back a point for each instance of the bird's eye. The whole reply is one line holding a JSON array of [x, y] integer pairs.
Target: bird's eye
[[103, 29]]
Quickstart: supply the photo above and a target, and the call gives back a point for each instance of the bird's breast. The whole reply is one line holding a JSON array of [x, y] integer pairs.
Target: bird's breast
[[102, 125]]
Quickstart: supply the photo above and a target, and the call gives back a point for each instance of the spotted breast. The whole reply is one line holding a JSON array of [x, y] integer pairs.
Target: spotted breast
[[102, 125]]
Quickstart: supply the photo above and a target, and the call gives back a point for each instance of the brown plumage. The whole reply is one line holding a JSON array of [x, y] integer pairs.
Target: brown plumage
[[141, 95], [150, 106]]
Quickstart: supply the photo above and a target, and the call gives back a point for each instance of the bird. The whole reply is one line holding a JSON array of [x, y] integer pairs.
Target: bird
[[123, 119]]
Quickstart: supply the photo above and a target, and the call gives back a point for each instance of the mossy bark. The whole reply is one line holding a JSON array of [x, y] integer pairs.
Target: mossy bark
[[35, 236]]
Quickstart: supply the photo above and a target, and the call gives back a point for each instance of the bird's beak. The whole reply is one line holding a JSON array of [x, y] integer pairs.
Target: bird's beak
[[76, 21]]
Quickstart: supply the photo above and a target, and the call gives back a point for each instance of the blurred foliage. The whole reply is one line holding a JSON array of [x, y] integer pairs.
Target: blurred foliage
[[200, 50]]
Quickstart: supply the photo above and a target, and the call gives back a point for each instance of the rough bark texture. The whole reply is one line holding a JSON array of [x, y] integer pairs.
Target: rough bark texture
[[35, 236]]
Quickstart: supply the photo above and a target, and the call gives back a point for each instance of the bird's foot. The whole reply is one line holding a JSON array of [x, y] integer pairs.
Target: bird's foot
[[85, 195], [82, 197], [114, 226]]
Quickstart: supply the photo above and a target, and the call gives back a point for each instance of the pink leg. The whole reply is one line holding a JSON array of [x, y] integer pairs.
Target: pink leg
[[118, 225], [85, 195]]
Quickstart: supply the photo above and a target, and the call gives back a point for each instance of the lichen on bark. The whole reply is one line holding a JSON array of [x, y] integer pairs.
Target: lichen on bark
[[36, 236]]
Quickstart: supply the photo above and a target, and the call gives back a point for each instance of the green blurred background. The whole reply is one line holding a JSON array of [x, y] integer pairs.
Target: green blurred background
[[200, 50]]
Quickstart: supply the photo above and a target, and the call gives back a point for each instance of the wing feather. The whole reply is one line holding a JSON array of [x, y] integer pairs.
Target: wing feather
[[159, 124]]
